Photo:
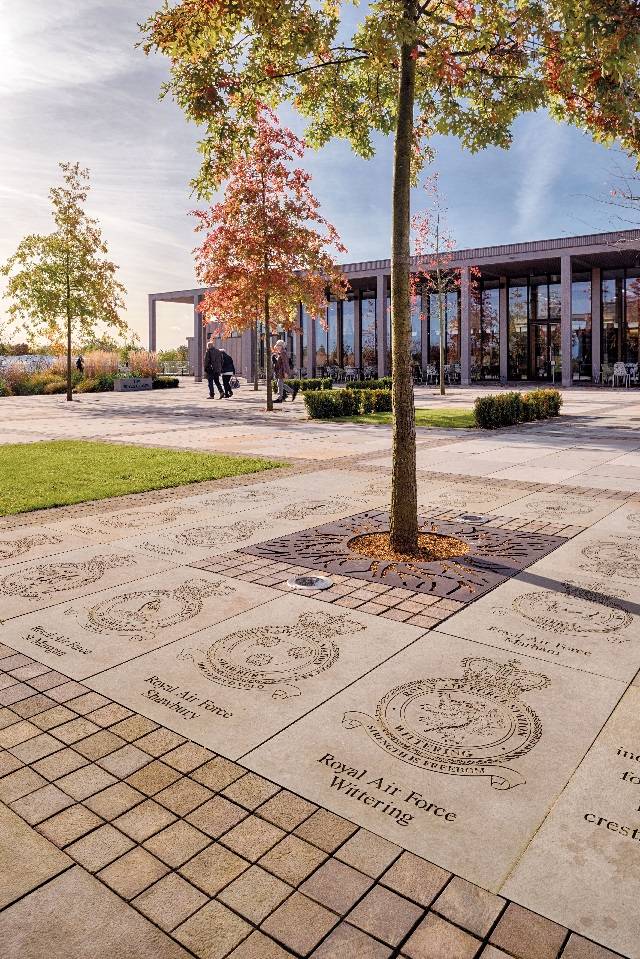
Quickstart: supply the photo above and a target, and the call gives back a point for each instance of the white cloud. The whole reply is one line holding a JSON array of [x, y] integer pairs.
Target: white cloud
[[541, 150]]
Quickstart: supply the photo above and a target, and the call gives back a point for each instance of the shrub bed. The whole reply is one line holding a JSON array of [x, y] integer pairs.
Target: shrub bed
[[310, 385], [382, 384], [507, 409], [327, 405], [96, 384], [165, 382]]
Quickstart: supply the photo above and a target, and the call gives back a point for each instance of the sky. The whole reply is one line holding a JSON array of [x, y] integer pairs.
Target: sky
[[73, 86]]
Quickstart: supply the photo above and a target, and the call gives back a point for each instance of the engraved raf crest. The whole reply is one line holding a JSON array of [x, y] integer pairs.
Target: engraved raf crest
[[617, 557], [274, 657], [465, 726], [12, 548], [53, 578], [209, 538], [572, 609], [141, 615]]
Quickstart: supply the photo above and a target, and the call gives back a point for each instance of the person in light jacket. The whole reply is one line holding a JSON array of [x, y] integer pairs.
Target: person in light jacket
[[282, 370]]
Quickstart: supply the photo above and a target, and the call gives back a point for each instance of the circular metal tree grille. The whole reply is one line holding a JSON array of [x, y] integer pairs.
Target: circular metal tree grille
[[305, 582], [431, 546]]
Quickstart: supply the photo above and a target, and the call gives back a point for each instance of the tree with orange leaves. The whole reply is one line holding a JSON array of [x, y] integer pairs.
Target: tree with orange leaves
[[267, 247]]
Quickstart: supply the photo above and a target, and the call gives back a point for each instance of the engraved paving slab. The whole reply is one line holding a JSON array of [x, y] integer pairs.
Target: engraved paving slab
[[450, 746], [232, 686], [494, 555], [115, 625]]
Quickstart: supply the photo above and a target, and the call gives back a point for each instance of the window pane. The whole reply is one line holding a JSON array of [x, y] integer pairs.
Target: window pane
[[416, 330], [453, 327], [369, 345], [348, 326], [581, 329], [610, 316], [332, 333], [321, 345], [306, 340], [434, 328], [518, 313], [632, 316], [490, 332]]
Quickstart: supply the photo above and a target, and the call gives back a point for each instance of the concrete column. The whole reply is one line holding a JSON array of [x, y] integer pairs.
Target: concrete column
[[198, 341], [503, 325], [357, 330], [465, 326], [565, 318], [596, 322], [152, 325], [381, 324]]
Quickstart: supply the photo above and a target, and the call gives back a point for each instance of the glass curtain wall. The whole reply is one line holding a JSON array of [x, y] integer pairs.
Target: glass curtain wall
[[452, 353], [581, 326], [307, 363], [322, 350]]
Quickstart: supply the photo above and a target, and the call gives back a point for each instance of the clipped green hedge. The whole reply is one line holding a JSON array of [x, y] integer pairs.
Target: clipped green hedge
[[327, 405], [507, 409], [165, 382], [375, 401], [382, 384], [310, 385]]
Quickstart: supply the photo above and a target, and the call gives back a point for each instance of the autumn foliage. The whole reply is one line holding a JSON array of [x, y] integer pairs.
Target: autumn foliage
[[267, 247]]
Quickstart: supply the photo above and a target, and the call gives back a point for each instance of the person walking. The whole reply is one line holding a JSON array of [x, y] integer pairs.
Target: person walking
[[213, 368], [228, 370], [80, 365], [282, 370]]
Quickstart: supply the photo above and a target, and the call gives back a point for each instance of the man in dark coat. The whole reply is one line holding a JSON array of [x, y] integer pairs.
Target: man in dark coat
[[213, 368]]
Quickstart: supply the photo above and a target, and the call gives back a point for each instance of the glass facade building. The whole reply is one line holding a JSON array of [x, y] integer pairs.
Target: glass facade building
[[562, 310]]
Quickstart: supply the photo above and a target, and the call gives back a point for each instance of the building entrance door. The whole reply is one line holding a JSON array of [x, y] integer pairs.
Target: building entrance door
[[544, 351]]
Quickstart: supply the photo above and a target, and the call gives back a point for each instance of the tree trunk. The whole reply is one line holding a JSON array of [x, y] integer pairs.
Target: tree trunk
[[404, 497], [69, 380], [267, 353], [256, 365], [443, 335]]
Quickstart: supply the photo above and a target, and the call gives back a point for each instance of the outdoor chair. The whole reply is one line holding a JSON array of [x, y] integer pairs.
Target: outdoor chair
[[430, 374], [606, 373], [370, 373], [632, 370], [350, 373], [620, 373]]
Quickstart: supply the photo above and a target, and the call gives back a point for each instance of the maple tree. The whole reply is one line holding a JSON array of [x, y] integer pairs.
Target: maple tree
[[411, 68], [267, 246], [62, 283], [433, 275]]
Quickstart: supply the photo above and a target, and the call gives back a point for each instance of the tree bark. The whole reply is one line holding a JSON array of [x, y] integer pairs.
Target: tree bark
[[404, 497], [267, 353]]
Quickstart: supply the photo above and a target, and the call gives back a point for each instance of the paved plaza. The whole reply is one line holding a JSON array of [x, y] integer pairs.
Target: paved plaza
[[426, 760]]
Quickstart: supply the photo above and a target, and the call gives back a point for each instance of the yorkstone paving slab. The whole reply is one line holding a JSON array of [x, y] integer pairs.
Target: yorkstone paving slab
[[562, 508], [75, 915], [232, 686], [584, 864], [449, 746], [28, 587], [112, 626], [30, 543], [582, 622]]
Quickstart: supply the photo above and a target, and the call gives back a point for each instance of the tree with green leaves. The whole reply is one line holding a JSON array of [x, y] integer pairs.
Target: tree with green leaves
[[61, 284], [410, 69]]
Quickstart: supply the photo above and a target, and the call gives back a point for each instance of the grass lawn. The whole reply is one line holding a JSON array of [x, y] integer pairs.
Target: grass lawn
[[449, 418], [40, 475]]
